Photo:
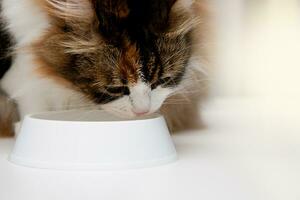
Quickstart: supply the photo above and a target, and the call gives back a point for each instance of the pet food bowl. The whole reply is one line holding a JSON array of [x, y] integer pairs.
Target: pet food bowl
[[87, 140]]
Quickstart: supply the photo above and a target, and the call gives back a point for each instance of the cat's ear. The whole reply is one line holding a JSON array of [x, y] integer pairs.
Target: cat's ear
[[183, 17], [70, 10]]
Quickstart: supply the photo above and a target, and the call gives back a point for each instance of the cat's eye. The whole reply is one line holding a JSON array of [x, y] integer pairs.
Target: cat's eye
[[121, 90], [167, 81], [154, 85]]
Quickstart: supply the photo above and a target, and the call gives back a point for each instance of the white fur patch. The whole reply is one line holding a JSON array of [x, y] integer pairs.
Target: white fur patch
[[26, 22], [158, 96], [140, 97]]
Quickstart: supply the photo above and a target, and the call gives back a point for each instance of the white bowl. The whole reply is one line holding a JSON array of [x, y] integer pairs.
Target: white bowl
[[92, 140]]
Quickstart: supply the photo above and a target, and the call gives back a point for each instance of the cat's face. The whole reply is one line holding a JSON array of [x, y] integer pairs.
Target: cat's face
[[126, 56], [133, 79]]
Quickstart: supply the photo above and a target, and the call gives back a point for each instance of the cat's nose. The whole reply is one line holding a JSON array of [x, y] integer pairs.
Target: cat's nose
[[141, 106], [140, 112]]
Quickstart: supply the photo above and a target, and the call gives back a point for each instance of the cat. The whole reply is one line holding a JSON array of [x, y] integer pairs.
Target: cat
[[128, 57]]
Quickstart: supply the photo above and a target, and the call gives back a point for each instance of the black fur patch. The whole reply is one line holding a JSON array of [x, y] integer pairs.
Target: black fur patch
[[5, 45]]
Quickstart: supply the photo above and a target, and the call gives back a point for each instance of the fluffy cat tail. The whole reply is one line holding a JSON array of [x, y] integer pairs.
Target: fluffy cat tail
[[8, 115]]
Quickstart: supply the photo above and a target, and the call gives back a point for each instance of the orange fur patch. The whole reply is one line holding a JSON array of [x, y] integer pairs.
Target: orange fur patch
[[46, 72], [8, 115], [6, 128], [129, 63]]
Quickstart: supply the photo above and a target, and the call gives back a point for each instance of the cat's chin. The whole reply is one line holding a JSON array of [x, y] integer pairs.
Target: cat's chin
[[129, 115]]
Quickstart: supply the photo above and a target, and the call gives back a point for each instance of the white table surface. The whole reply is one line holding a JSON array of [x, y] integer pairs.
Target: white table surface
[[250, 149]]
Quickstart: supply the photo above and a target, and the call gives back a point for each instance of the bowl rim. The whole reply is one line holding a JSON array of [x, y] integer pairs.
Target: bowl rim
[[34, 116]]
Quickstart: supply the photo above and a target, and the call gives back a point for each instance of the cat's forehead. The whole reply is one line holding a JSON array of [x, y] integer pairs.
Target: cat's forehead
[[133, 26], [136, 64]]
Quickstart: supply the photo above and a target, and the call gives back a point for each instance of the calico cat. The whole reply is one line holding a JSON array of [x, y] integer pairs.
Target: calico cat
[[128, 57]]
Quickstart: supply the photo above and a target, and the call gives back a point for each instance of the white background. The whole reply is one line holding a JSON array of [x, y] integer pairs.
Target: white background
[[258, 48]]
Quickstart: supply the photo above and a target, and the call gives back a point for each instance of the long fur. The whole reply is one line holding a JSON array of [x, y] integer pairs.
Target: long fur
[[182, 111], [29, 20]]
